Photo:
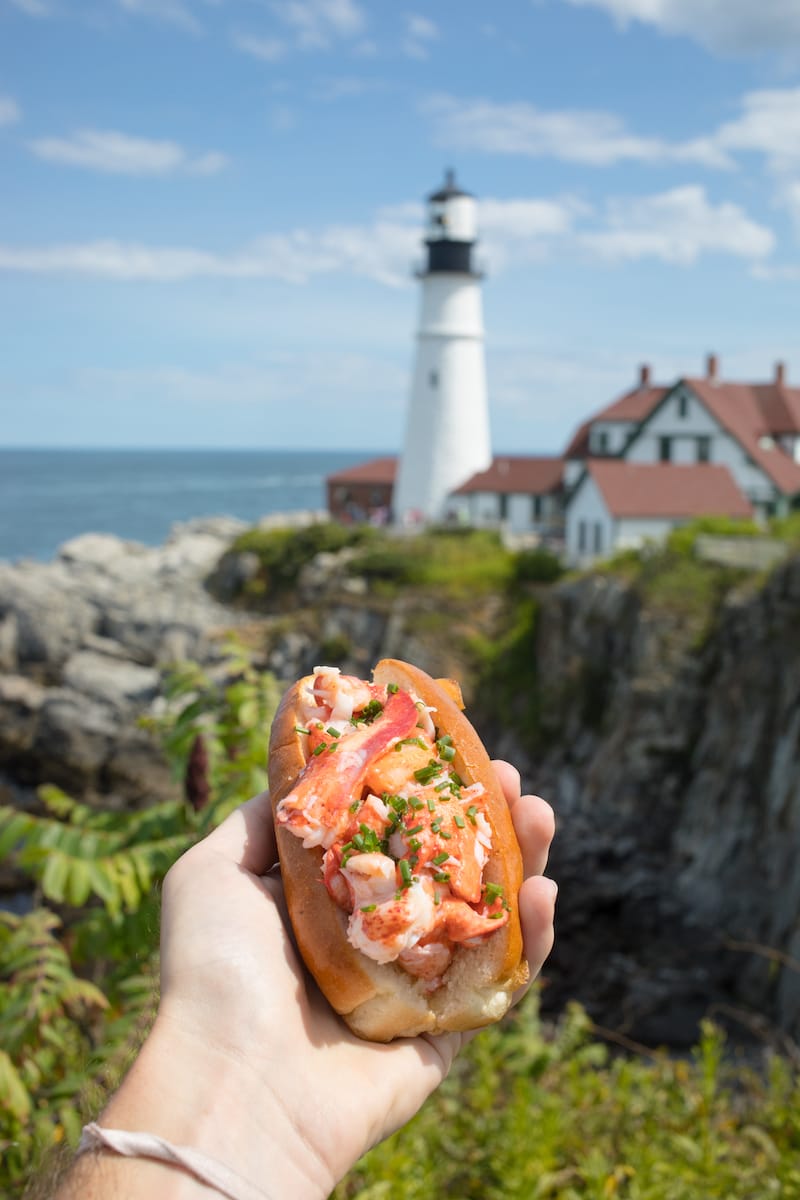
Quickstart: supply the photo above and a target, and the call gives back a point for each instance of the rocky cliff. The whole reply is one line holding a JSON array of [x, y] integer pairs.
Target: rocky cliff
[[669, 744]]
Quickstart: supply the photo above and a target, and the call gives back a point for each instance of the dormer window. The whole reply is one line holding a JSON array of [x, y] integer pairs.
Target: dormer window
[[683, 406], [600, 441]]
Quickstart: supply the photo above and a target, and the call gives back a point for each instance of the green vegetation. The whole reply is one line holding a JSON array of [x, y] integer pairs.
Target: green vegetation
[[282, 553], [671, 579], [527, 1115], [455, 561], [78, 974]]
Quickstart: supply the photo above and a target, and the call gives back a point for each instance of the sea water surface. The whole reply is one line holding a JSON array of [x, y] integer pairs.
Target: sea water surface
[[49, 496]]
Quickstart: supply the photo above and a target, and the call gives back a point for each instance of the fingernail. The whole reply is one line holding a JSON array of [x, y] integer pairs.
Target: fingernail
[[551, 883]]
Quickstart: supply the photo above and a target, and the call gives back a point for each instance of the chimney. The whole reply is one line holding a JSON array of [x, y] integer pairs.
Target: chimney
[[644, 375], [712, 367], [780, 374]]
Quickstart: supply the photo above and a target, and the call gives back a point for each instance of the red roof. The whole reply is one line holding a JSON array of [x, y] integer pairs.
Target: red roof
[[671, 490], [633, 406], [517, 473], [377, 470], [752, 411]]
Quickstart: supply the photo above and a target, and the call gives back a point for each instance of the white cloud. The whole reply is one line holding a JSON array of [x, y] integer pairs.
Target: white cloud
[[9, 111], [316, 23], [171, 12], [268, 49], [117, 153], [677, 227], [738, 26], [33, 8], [582, 136], [420, 32], [769, 125], [381, 252]]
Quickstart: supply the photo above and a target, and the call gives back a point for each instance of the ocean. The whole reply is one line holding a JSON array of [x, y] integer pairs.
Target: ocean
[[49, 496]]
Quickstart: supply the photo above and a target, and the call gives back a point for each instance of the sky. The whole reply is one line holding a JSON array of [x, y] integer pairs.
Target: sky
[[210, 210]]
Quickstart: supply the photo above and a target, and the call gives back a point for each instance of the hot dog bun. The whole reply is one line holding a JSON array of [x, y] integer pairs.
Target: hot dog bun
[[381, 1001]]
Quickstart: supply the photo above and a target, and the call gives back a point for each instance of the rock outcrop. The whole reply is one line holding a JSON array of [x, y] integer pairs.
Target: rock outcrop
[[673, 761], [84, 641]]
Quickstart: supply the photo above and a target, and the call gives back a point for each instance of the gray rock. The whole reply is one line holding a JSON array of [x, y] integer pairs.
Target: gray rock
[[112, 680]]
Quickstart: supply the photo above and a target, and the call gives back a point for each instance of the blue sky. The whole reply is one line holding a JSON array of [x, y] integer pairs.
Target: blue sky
[[210, 209]]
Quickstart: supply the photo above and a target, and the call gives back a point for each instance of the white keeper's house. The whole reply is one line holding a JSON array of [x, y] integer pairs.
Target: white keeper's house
[[661, 455]]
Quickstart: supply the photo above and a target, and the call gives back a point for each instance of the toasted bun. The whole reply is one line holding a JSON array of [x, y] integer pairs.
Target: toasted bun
[[381, 1002]]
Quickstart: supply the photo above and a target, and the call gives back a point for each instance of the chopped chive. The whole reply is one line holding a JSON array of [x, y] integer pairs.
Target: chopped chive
[[440, 858], [443, 833], [429, 773], [415, 844], [416, 829], [405, 872], [472, 813], [459, 820], [392, 688], [300, 729], [436, 825], [370, 711], [368, 907], [495, 916], [431, 804], [416, 803], [442, 877], [321, 748], [333, 732], [447, 754], [354, 806], [437, 898]]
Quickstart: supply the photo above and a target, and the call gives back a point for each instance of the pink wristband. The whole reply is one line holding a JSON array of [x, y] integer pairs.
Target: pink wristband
[[148, 1145]]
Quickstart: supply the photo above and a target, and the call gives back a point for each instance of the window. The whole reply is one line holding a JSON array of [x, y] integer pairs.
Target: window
[[600, 441], [433, 378], [536, 508], [503, 500], [704, 449], [665, 449], [581, 536], [598, 537], [683, 406]]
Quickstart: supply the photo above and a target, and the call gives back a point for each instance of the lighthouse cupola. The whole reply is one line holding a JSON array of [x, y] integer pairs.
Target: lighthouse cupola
[[447, 426], [452, 229]]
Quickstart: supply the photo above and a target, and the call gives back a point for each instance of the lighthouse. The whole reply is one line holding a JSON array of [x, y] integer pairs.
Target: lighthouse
[[447, 429]]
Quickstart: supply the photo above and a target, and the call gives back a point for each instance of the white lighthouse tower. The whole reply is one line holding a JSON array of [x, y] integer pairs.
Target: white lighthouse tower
[[447, 431]]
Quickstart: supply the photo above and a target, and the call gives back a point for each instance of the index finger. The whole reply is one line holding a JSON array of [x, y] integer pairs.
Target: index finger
[[534, 820]]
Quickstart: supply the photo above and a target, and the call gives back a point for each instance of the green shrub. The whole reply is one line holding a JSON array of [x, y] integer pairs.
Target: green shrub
[[537, 566], [283, 553], [458, 561], [787, 529], [528, 1114], [681, 541]]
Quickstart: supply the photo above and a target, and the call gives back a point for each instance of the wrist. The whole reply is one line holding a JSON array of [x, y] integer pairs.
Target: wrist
[[193, 1093]]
